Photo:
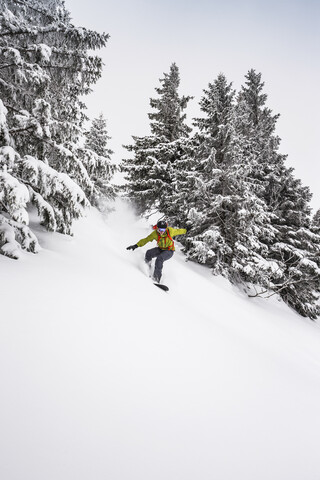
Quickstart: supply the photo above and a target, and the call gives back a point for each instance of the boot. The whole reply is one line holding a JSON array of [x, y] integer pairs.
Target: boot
[[156, 278]]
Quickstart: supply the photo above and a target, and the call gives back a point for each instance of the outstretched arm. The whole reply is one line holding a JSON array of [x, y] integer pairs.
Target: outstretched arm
[[143, 241], [177, 231], [149, 238]]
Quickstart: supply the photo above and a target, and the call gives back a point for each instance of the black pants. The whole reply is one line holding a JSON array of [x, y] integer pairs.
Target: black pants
[[161, 256]]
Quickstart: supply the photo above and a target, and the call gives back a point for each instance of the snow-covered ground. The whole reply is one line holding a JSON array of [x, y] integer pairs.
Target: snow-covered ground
[[105, 377]]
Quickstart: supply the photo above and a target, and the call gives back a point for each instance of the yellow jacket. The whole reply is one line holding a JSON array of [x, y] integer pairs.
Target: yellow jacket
[[164, 241]]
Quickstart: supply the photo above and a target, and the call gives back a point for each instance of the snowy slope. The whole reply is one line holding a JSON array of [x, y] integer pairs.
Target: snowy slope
[[103, 376]]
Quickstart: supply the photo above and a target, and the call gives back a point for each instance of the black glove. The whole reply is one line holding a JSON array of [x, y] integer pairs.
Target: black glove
[[132, 247]]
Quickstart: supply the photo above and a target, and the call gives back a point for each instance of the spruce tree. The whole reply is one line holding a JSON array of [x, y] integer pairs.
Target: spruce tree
[[44, 71], [99, 164], [290, 248], [150, 172], [227, 219], [97, 137], [248, 213]]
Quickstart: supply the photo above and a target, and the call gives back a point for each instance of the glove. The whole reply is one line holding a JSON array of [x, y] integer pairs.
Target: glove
[[132, 247]]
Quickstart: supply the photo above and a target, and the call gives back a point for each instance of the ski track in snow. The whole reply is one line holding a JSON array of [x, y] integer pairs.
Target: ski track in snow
[[104, 376]]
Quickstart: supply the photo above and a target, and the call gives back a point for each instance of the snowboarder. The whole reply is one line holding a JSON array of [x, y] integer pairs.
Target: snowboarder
[[165, 249]]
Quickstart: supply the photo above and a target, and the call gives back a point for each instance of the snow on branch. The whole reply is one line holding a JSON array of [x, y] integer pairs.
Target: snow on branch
[[57, 189], [14, 196], [8, 244], [13, 236]]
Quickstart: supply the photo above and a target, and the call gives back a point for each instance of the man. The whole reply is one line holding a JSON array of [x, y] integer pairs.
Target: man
[[164, 251]]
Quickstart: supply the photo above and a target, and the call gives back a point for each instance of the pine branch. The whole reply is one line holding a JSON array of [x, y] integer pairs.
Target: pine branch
[[41, 30], [103, 38], [18, 130], [43, 12], [27, 31], [4, 207], [151, 213], [286, 284], [7, 66], [57, 51], [9, 107]]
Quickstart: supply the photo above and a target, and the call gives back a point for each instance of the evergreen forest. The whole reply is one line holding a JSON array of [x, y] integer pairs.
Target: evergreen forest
[[248, 217]]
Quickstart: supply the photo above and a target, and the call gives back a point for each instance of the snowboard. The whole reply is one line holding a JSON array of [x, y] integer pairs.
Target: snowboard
[[163, 287]]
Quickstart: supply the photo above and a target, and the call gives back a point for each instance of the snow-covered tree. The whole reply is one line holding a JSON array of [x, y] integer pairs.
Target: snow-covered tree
[[150, 172], [228, 220], [168, 122], [98, 162], [292, 247], [97, 137], [272, 180], [45, 69], [249, 215]]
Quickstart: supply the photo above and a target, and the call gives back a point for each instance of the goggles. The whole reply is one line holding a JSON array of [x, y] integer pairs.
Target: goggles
[[162, 230]]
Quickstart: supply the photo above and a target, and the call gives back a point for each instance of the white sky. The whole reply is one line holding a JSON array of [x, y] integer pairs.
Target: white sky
[[280, 39]]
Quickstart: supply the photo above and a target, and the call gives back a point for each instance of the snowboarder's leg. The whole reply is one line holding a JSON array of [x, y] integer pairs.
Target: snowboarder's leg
[[161, 257], [151, 253]]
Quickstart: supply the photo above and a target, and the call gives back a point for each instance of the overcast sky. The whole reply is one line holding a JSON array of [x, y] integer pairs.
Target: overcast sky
[[280, 39]]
